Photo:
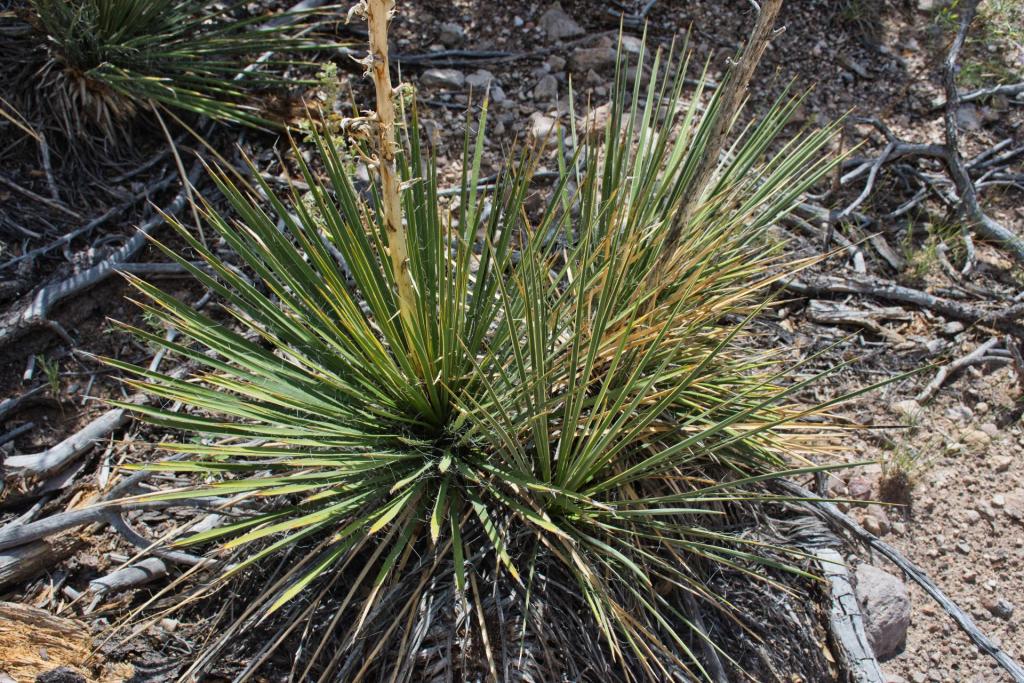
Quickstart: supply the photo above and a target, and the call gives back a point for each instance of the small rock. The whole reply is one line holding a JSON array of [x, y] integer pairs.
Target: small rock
[[893, 678], [871, 525], [1002, 463], [878, 513], [859, 488], [909, 409], [556, 63], [952, 328], [452, 35], [546, 89], [169, 625], [542, 126], [1014, 505], [587, 59], [998, 500], [959, 412], [968, 117], [972, 516], [854, 67], [975, 438], [998, 607], [632, 45], [479, 79], [883, 599], [990, 429], [449, 79], [981, 407], [558, 25]]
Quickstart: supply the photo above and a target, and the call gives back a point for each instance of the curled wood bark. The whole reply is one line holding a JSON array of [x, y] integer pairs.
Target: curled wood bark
[[35, 313]]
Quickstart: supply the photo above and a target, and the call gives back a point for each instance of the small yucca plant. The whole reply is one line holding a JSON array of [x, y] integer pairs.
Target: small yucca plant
[[499, 433], [95, 63]]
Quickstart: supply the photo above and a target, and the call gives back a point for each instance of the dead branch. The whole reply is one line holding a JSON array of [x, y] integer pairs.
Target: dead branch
[[947, 371], [34, 314], [1007, 89], [29, 560], [143, 572], [830, 513], [53, 460], [15, 535], [1005, 320], [117, 522], [984, 225]]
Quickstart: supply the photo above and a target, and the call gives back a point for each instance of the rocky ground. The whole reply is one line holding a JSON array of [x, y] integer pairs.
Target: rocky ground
[[944, 484]]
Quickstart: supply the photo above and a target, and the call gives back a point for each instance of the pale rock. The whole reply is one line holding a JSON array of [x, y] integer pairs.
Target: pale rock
[[632, 45], [556, 63], [585, 59], [968, 117], [975, 438], [1014, 505], [961, 413], [859, 488], [886, 606], [878, 512], [449, 79], [990, 429], [542, 126], [871, 525], [558, 25], [908, 409], [998, 607], [953, 328], [546, 89], [452, 35]]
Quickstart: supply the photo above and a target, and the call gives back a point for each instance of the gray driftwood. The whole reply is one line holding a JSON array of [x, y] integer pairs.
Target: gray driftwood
[[847, 622]]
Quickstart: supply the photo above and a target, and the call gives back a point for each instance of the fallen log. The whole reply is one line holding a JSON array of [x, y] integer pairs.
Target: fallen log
[[33, 559]]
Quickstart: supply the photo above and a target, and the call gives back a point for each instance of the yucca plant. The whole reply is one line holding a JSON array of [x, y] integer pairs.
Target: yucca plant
[[498, 433], [94, 63]]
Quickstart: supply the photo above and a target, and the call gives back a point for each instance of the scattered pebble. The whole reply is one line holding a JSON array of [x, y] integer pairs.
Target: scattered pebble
[[999, 607]]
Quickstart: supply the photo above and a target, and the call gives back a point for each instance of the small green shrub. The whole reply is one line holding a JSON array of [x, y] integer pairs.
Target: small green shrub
[[90, 65], [554, 445]]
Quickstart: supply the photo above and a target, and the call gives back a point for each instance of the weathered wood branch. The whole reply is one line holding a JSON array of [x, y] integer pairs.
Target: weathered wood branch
[[1005, 320]]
